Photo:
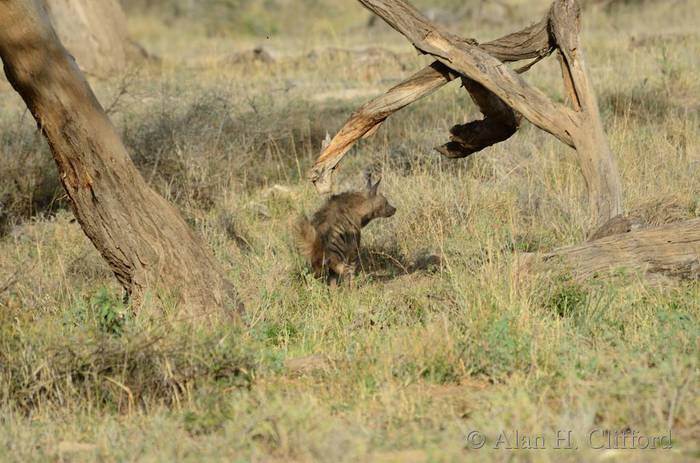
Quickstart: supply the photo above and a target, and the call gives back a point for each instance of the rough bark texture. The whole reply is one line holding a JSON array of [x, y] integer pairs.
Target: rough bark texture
[[667, 251], [143, 238], [95, 32], [579, 127]]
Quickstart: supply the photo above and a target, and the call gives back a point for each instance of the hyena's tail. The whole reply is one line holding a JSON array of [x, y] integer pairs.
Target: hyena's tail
[[305, 237]]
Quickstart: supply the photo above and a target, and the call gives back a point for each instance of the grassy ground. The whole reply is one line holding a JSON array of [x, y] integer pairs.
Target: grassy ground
[[441, 336]]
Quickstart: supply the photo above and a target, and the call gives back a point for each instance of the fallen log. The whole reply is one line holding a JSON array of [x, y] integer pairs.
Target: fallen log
[[668, 251]]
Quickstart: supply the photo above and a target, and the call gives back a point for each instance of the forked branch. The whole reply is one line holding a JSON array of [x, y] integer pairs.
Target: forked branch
[[579, 127], [533, 42]]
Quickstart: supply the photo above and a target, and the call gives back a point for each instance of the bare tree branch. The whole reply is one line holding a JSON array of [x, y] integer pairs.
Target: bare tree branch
[[533, 42], [496, 87]]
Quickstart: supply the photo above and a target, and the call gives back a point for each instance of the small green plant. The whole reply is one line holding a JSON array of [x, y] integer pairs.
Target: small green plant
[[440, 370], [569, 298], [105, 311], [695, 206], [110, 311], [501, 349], [277, 334], [669, 69]]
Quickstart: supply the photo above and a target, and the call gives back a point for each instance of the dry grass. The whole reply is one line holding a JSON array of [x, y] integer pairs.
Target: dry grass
[[442, 334]]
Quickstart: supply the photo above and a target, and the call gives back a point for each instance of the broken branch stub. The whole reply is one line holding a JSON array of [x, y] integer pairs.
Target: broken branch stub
[[370, 116], [500, 122], [579, 127]]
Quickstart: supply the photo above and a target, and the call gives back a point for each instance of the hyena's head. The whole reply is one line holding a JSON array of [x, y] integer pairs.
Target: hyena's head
[[376, 204]]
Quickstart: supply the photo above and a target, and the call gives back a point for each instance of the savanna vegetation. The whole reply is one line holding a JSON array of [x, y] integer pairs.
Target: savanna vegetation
[[442, 333]]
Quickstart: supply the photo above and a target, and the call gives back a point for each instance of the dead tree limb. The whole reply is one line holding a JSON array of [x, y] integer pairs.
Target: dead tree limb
[[595, 158], [575, 127], [366, 120], [669, 251], [476, 64], [143, 238], [533, 42]]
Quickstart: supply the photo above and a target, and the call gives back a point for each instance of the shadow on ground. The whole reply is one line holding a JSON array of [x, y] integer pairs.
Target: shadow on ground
[[384, 264]]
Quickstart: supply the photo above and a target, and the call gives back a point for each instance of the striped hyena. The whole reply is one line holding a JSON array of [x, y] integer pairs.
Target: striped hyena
[[330, 241]]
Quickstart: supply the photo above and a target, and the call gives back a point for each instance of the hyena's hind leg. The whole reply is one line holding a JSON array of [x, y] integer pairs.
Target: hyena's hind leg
[[342, 271]]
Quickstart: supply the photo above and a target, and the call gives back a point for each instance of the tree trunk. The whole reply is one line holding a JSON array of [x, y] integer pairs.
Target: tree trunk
[[95, 33], [597, 163], [143, 238]]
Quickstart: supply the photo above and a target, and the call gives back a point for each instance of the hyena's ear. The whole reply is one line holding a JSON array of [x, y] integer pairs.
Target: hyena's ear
[[371, 186]]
